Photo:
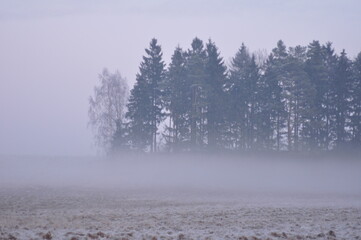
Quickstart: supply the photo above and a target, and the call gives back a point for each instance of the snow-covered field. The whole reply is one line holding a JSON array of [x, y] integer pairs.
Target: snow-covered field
[[201, 199]]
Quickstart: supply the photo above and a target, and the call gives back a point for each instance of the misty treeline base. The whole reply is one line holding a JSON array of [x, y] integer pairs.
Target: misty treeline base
[[295, 99]]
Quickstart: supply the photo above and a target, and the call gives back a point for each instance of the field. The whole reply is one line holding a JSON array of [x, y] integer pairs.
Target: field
[[61, 201]]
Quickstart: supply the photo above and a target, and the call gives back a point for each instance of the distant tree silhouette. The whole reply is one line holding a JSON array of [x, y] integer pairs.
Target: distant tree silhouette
[[107, 109], [302, 98]]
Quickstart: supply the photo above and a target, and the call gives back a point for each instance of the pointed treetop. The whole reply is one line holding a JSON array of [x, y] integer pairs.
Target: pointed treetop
[[329, 47], [281, 50], [197, 45], [154, 48], [242, 57]]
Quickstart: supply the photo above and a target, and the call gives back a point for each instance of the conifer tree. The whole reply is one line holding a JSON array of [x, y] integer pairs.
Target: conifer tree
[[196, 75], [139, 106], [214, 86], [177, 100], [242, 89], [145, 103], [263, 113], [342, 97], [298, 98], [330, 60], [356, 103], [239, 70], [252, 103], [275, 108], [316, 70]]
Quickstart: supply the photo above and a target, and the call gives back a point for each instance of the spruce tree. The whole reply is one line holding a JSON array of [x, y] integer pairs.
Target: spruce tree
[[252, 103], [177, 99], [342, 97], [330, 60], [196, 75], [145, 103], [239, 70], [138, 115], [356, 103], [241, 90], [316, 70], [263, 113], [298, 98], [275, 108], [214, 86]]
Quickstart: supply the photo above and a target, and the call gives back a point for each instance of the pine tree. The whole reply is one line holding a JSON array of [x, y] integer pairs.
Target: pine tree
[[139, 107], [330, 60], [177, 100], [237, 97], [145, 103], [252, 103], [241, 90], [316, 70], [263, 113], [214, 86], [298, 98], [356, 103], [342, 97], [274, 107], [196, 75]]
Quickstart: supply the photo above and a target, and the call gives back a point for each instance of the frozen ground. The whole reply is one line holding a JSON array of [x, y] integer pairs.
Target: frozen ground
[[52, 200]]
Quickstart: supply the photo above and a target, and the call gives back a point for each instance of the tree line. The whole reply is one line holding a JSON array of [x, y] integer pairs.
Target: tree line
[[303, 98]]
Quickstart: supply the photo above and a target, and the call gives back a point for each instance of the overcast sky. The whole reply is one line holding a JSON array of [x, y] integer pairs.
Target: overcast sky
[[52, 51]]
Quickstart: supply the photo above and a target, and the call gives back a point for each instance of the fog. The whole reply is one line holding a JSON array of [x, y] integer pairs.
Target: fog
[[52, 53], [187, 174], [56, 184]]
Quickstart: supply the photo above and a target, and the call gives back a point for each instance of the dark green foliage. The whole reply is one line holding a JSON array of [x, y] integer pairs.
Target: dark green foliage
[[330, 61], [145, 103], [177, 99], [299, 99], [239, 90], [355, 103], [138, 114], [299, 95], [342, 98], [314, 133], [215, 97], [273, 101], [196, 76]]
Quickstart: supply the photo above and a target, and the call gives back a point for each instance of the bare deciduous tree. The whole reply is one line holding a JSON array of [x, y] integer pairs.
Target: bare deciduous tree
[[107, 107]]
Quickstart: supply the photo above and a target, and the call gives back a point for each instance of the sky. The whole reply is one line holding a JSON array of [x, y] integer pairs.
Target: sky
[[51, 52]]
